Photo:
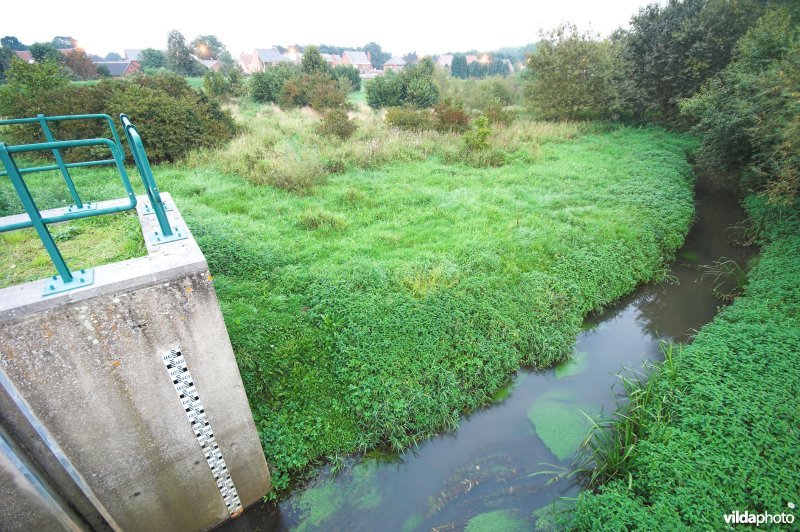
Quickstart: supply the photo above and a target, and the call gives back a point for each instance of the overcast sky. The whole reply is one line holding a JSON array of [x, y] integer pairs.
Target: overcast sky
[[427, 27]]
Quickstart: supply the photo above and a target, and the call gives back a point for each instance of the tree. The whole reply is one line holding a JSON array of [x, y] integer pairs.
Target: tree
[[9, 41], [179, 56], [27, 80], [208, 47], [103, 72], [349, 73], [377, 56], [64, 43], [411, 58], [671, 50], [569, 76], [44, 51], [747, 117], [113, 56], [6, 56], [414, 86], [152, 58], [313, 63], [459, 67], [83, 67], [419, 88], [266, 86]]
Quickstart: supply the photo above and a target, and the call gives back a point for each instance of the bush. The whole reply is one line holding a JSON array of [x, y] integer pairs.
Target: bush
[[267, 86], [384, 91], [478, 138], [410, 119], [450, 116], [172, 117], [569, 77], [335, 122], [414, 86], [349, 73], [747, 118], [319, 91]]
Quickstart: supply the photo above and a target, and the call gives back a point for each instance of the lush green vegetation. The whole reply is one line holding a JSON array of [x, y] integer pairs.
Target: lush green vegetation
[[718, 427], [403, 288], [173, 117]]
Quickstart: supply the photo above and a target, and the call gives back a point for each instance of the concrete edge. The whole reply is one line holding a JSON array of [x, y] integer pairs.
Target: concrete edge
[[183, 256]]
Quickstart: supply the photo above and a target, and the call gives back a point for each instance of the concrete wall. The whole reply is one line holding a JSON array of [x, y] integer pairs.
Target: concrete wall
[[88, 363]]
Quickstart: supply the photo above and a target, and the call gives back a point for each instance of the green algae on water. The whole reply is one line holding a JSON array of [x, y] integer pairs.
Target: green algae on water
[[558, 421], [497, 521], [577, 363]]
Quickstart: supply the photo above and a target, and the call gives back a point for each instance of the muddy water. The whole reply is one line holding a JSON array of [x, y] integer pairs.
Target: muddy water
[[490, 468]]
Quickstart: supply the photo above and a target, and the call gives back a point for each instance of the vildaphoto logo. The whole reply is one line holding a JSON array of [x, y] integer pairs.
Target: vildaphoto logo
[[748, 518]]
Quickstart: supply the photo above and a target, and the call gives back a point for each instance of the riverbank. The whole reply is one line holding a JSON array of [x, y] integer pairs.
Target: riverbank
[[727, 438]]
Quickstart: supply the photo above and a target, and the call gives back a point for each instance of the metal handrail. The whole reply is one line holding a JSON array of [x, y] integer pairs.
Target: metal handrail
[[66, 279], [43, 122], [143, 165]]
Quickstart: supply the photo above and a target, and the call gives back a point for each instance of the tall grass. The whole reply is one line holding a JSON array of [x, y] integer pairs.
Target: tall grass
[[283, 148], [610, 447]]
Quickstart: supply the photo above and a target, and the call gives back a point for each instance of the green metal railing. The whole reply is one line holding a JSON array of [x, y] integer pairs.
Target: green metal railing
[[67, 279]]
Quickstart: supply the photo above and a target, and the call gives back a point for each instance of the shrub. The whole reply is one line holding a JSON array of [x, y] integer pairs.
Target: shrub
[[319, 91], [478, 138], [569, 77], [384, 91], [414, 86], [747, 117], [410, 119], [450, 116], [172, 117], [267, 86], [335, 122], [349, 73]]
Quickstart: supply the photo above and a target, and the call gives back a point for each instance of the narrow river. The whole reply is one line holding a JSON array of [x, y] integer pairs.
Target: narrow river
[[491, 463]]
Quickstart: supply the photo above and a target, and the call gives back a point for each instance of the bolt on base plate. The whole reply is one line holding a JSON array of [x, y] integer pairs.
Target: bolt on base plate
[[148, 209], [156, 237], [87, 206], [55, 285]]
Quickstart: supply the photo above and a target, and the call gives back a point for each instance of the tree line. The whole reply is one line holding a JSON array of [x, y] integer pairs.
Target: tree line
[[726, 70]]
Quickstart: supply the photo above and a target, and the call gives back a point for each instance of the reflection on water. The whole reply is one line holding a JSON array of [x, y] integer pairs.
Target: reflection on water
[[487, 470]]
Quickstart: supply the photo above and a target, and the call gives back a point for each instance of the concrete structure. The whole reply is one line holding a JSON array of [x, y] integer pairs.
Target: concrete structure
[[93, 433]]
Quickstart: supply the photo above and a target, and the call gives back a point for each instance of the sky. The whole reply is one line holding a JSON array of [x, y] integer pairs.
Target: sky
[[424, 26]]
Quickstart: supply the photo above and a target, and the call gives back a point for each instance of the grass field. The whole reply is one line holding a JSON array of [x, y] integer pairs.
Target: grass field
[[400, 289], [721, 430]]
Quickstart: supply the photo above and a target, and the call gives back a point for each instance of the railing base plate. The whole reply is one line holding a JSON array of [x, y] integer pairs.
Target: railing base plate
[[54, 284], [156, 237], [148, 209], [87, 206]]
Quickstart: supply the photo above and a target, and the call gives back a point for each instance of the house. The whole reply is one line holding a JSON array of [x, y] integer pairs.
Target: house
[[471, 59], [132, 54], [445, 60], [332, 59], [248, 63], [359, 60], [395, 63], [211, 64], [120, 68], [261, 58], [25, 55]]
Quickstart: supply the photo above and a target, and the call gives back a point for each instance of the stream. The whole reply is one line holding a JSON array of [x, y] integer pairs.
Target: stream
[[492, 464]]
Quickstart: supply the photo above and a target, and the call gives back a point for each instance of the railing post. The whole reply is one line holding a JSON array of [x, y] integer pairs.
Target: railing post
[[33, 212], [146, 173], [48, 134]]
